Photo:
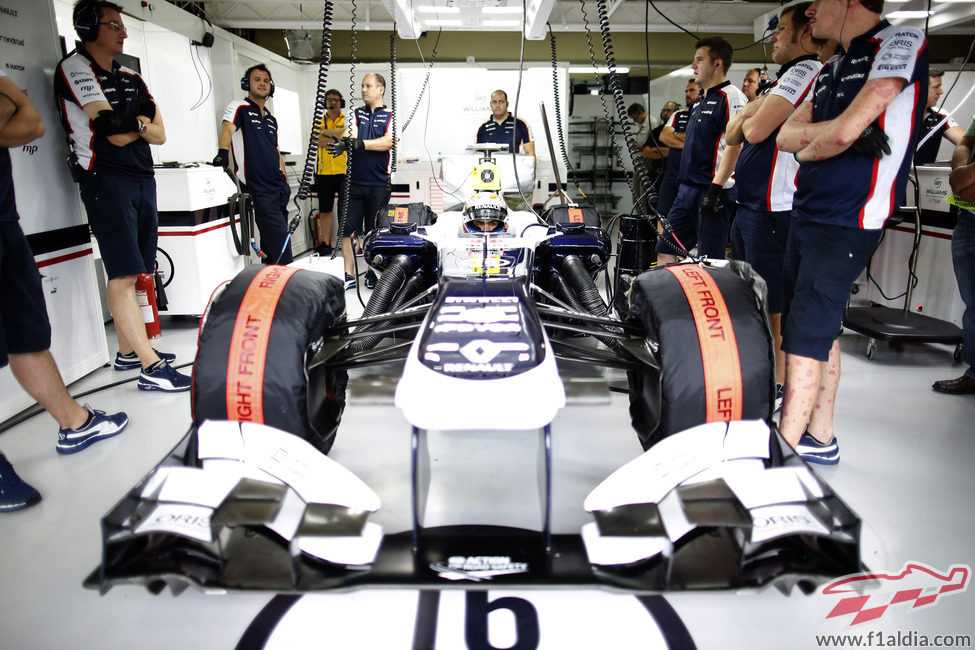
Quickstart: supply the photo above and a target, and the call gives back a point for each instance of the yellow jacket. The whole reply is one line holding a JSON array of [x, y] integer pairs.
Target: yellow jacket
[[327, 164]]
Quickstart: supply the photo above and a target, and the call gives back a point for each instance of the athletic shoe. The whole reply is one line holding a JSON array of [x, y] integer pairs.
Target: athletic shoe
[[14, 492], [349, 282], [161, 376], [99, 426], [778, 398], [370, 279], [817, 452], [131, 361]]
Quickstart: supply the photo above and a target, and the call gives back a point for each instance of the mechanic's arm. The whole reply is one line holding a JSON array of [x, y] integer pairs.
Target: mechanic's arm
[[772, 114], [733, 132], [154, 134], [331, 135], [727, 165], [284, 172], [962, 177], [655, 152], [226, 134], [529, 148], [671, 138], [19, 120], [955, 135], [837, 135]]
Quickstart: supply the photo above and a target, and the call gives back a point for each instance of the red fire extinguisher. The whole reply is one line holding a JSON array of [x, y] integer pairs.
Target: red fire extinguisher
[[145, 295]]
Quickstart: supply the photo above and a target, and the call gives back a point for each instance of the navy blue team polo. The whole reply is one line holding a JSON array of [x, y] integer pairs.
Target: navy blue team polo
[[371, 167], [705, 143], [255, 145], [492, 132]]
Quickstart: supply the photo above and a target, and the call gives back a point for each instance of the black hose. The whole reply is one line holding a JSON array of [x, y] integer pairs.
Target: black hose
[[583, 286], [562, 290], [387, 286], [410, 288]]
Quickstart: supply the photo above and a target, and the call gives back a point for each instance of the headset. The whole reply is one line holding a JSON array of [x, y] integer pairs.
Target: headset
[[245, 81], [86, 21], [333, 91]]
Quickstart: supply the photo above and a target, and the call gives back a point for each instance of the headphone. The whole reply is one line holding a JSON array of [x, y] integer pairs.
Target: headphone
[[332, 91], [245, 81], [86, 21]]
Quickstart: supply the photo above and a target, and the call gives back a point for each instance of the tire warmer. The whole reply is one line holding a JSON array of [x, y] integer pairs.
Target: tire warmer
[[253, 349]]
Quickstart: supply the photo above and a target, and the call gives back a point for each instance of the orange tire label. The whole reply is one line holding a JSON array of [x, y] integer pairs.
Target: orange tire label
[[719, 347], [249, 342]]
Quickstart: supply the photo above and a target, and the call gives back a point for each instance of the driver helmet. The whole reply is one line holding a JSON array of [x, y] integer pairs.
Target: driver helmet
[[485, 212]]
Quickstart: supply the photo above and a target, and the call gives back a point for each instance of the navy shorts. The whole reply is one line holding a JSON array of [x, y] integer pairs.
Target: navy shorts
[[821, 264], [327, 186], [24, 326], [365, 201], [759, 238], [122, 214], [709, 234]]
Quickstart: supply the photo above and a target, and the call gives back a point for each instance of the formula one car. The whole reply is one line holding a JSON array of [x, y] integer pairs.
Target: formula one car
[[505, 307]]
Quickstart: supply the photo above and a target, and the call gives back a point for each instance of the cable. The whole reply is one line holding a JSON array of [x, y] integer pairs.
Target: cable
[[392, 92], [344, 196], [558, 111], [426, 79], [318, 120], [695, 36], [514, 114]]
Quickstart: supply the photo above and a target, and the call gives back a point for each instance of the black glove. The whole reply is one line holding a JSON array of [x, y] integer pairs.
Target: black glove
[[222, 159], [147, 107], [872, 142], [113, 123], [711, 201], [341, 145]]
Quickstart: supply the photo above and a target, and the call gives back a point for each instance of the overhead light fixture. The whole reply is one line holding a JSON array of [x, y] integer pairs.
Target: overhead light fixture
[[429, 9], [504, 10], [590, 70], [443, 22], [501, 23], [910, 13]]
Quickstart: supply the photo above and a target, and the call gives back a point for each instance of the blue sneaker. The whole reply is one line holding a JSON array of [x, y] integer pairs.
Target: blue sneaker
[[131, 361], [813, 451], [100, 425], [349, 282], [778, 398], [161, 376], [15, 494], [370, 279]]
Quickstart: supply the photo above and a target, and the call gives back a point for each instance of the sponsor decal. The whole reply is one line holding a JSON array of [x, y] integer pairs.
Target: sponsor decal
[[478, 567], [869, 596]]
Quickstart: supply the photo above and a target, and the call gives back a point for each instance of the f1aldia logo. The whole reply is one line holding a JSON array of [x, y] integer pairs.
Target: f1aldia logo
[[868, 596]]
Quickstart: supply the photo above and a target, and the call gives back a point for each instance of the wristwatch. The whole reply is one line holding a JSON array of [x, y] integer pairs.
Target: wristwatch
[[142, 127]]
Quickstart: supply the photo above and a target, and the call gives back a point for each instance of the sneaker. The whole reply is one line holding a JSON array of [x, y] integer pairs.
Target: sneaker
[[813, 451], [778, 398], [349, 282], [370, 279], [99, 426], [161, 376], [14, 493], [131, 361]]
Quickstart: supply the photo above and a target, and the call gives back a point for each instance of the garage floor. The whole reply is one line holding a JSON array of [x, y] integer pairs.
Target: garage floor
[[906, 469]]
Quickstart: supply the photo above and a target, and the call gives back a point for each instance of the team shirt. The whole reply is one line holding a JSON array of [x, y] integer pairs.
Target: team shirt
[[79, 81], [496, 133], [764, 175], [329, 165], [8, 204], [862, 191], [255, 144], [371, 167], [928, 152], [705, 144], [678, 122]]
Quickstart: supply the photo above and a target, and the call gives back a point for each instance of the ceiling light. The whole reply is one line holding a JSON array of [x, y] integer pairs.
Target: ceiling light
[[590, 70], [427, 9], [443, 22], [514, 10], [908, 13], [501, 23]]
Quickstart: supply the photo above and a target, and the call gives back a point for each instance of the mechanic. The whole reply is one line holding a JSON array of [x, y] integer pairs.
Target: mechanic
[[949, 130], [253, 132], [851, 177], [764, 175], [672, 136], [751, 83], [638, 116], [485, 212], [369, 183], [503, 128], [111, 119], [962, 181], [647, 148], [25, 331], [330, 176], [701, 213]]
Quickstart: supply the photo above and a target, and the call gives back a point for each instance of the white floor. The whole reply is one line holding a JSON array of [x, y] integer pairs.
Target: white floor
[[906, 469]]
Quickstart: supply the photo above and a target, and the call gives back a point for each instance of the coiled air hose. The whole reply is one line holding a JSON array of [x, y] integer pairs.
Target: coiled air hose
[[387, 286], [583, 286]]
